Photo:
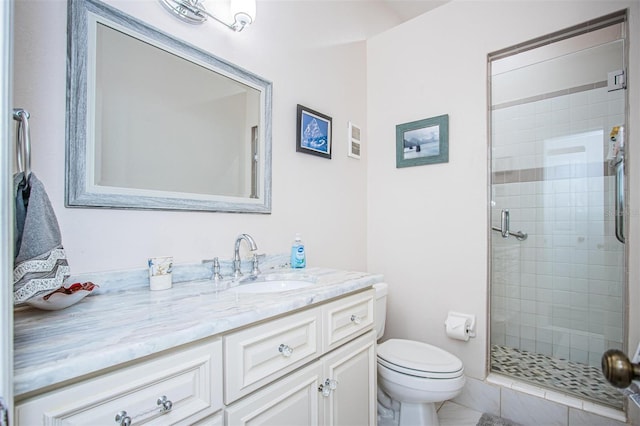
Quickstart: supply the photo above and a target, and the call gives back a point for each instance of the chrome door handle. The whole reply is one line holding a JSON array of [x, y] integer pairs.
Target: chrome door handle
[[504, 227], [504, 223], [619, 203], [163, 403]]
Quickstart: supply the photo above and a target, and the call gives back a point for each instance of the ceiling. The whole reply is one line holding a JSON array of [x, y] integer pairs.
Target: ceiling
[[337, 22], [409, 9]]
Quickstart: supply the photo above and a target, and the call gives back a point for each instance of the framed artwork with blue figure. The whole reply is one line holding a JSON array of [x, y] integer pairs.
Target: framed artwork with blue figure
[[314, 132]]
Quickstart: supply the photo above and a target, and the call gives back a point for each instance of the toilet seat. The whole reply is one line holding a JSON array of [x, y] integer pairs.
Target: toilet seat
[[419, 359]]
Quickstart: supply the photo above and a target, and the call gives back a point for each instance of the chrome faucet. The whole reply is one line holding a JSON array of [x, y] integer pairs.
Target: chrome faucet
[[236, 252]]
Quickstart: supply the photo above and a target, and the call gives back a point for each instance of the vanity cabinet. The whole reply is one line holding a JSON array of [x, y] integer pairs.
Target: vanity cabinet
[[315, 366], [179, 387], [337, 388]]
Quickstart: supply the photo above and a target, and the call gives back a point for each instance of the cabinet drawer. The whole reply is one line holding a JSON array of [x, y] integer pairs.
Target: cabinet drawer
[[258, 355], [347, 318], [190, 379]]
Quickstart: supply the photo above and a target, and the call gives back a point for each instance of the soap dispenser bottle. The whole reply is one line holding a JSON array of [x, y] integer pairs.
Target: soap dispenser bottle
[[298, 255]]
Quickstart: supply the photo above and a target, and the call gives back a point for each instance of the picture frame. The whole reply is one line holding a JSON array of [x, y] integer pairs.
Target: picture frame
[[423, 142], [313, 132], [354, 141]]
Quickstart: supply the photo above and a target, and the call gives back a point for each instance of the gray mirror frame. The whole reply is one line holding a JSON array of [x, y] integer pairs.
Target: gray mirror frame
[[76, 192]]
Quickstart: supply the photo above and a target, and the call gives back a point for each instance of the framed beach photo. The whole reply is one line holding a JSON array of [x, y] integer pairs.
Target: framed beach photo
[[423, 142], [314, 132]]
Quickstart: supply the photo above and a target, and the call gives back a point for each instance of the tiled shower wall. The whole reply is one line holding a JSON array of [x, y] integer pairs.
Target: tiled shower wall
[[561, 291]]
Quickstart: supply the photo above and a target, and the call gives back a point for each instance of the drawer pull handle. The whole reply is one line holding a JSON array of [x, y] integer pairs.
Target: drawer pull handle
[[123, 419], [356, 319], [328, 386], [165, 404], [285, 350]]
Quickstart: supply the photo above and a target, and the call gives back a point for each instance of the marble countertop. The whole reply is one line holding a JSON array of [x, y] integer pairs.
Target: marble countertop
[[123, 324]]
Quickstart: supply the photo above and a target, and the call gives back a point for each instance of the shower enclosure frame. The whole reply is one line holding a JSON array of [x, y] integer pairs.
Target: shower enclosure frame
[[621, 16]]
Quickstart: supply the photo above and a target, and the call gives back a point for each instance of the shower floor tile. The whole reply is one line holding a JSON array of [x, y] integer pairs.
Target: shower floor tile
[[573, 378]]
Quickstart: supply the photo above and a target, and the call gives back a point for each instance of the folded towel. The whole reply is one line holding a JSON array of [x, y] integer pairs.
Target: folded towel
[[40, 264]]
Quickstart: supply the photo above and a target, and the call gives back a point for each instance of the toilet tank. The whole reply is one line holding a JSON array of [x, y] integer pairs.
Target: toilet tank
[[380, 309]]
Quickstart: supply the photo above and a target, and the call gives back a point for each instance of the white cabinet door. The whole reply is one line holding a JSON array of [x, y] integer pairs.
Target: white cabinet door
[[352, 368], [292, 401]]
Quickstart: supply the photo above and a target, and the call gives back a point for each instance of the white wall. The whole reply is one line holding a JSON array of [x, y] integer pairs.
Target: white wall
[[424, 227], [427, 225], [325, 200]]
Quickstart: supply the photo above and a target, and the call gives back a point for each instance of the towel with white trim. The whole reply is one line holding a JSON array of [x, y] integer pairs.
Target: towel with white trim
[[40, 263]]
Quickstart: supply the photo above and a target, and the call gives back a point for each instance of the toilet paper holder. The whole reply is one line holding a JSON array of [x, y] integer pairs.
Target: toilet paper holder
[[455, 320]]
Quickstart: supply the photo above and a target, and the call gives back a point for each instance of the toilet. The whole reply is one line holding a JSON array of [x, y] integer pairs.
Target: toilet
[[412, 376]]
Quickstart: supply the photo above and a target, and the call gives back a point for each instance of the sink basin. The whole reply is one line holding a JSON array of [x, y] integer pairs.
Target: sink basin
[[272, 286], [275, 283]]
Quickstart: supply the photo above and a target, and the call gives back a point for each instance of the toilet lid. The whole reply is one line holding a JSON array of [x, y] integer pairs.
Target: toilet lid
[[417, 358]]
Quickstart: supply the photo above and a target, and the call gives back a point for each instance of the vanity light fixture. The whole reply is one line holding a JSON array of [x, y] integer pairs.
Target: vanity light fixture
[[194, 12]]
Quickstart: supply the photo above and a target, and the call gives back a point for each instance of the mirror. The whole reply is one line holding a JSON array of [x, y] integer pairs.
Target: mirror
[[155, 123]]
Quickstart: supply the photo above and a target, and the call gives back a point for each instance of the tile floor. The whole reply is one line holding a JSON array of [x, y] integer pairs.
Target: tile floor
[[452, 414], [580, 380]]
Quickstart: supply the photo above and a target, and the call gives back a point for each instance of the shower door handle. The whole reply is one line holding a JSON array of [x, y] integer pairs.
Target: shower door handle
[[504, 223], [620, 202], [504, 227]]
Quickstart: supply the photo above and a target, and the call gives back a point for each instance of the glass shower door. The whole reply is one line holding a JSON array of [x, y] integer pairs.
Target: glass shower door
[[557, 268]]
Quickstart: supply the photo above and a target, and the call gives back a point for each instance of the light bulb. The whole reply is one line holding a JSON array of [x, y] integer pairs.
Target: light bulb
[[244, 13]]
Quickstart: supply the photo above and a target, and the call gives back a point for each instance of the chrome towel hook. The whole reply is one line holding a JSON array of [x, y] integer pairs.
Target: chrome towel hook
[[23, 141]]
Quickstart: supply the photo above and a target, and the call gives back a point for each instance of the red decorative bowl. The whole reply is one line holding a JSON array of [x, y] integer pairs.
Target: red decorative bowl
[[62, 297]]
